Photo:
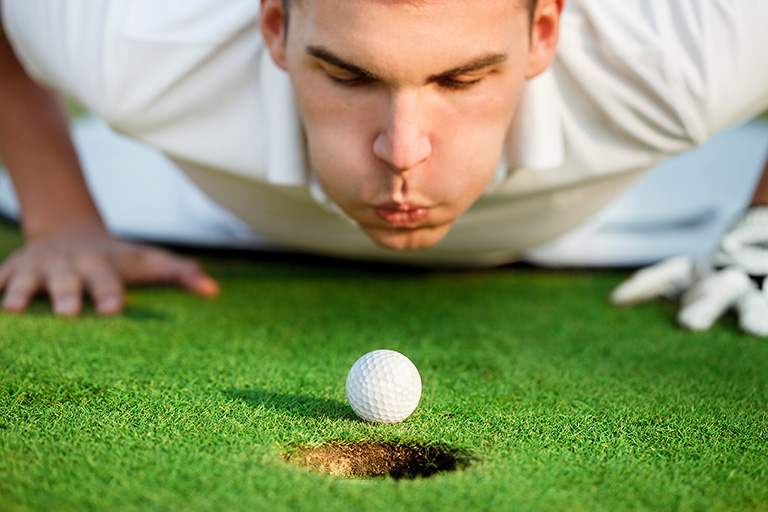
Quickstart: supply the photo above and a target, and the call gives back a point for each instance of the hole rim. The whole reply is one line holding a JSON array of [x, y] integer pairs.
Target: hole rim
[[361, 459]]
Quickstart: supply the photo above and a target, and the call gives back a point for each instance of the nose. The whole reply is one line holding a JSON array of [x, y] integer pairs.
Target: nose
[[403, 142]]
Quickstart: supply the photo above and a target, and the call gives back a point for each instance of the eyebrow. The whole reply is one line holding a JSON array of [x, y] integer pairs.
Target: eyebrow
[[326, 55], [482, 62]]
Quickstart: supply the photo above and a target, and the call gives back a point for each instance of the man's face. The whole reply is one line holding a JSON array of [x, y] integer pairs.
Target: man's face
[[405, 104]]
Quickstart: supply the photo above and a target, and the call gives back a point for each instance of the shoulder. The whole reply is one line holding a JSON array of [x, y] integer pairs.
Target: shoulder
[[60, 43], [115, 56], [190, 77], [203, 22], [179, 55], [690, 67]]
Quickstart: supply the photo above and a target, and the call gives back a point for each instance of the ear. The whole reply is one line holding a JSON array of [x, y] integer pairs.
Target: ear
[[545, 31], [272, 24]]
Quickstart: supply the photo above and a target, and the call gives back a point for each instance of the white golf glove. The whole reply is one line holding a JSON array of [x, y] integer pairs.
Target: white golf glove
[[731, 279]]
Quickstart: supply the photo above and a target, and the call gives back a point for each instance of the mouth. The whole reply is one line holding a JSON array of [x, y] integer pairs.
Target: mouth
[[401, 215]]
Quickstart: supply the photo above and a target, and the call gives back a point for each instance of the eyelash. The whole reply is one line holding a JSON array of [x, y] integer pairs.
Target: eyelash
[[449, 83], [351, 82], [446, 83]]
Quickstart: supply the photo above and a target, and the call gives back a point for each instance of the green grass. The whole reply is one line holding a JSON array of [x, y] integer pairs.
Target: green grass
[[566, 402]]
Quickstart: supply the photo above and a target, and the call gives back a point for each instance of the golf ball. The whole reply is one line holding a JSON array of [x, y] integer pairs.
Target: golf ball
[[383, 386]]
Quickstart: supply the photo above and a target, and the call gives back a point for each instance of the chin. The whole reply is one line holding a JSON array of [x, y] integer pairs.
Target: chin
[[407, 239]]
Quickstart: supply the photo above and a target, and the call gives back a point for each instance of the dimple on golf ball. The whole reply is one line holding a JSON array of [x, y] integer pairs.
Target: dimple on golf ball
[[383, 386]]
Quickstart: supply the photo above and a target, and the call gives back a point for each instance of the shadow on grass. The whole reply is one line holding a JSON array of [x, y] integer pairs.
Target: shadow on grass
[[300, 405], [40, 307], [144, 314]]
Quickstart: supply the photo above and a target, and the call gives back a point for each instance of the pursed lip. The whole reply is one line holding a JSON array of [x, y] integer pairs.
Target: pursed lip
[[401, 214]]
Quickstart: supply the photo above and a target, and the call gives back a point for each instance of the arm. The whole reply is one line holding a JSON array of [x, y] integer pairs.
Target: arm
[[34, 139], [760, 197], [69, 250]]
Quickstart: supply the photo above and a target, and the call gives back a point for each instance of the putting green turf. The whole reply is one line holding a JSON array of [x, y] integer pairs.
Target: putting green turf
[[565, 402]]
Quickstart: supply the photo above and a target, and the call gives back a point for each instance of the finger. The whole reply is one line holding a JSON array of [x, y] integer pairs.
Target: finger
[[668, 278], [708, 299], [190, 275], [161, 266], [19, 290], [753, 313], [6, 271], [65, 287], [105, 289]]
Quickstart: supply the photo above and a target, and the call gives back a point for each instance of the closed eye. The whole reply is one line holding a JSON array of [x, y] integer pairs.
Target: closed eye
[[351, 81], [348, 76], [453, 83], [462, 77]]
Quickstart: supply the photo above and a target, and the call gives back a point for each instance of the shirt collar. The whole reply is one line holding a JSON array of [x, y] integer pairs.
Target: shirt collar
[[286, 159], [535, 139]]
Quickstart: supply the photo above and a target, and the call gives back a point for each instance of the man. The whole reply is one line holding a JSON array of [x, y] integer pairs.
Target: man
[[425, 131]]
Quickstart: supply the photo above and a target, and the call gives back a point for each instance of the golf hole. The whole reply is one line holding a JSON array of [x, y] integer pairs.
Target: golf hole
[[374, 459]]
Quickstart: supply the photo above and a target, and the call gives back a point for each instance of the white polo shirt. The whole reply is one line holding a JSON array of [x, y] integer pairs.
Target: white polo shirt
[[633, 82]]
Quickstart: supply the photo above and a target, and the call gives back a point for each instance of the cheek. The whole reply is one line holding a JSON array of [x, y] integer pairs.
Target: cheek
[[487, 118], [469, 138], [339, 133]]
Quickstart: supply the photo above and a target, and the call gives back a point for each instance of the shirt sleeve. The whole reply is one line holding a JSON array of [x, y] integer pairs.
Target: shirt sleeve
[[60, 44], [721, 53]]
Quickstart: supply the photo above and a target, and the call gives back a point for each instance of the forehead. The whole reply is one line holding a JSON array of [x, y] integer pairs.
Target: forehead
[[415, 7], [414, 3], [405, 41], [406, 20]]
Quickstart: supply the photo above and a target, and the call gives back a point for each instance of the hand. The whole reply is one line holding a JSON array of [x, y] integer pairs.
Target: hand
[[98, 265], [733, 278]]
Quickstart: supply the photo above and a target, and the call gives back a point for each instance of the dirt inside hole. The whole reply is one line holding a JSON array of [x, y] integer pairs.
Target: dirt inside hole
[[372, 459]]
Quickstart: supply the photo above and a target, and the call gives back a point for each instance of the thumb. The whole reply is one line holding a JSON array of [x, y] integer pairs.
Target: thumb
[[193, 278], [204, 285], [150, 265]]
